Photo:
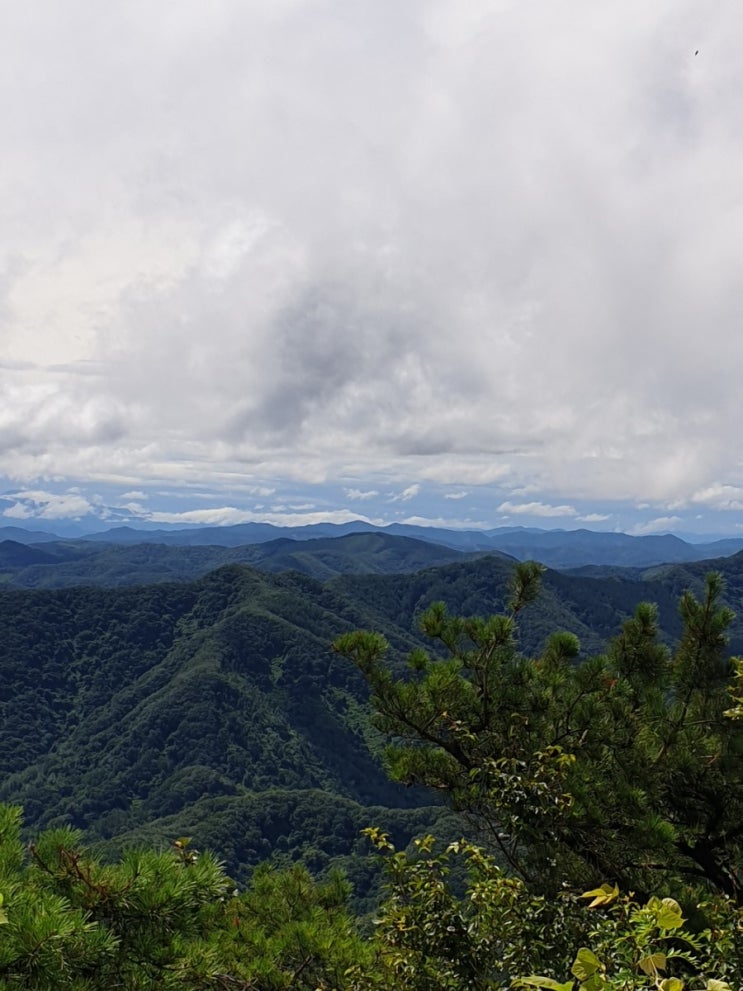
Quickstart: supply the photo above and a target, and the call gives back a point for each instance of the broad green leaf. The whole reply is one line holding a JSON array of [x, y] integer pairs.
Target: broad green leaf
[[653, 963], [669, 914], [601, 896], [586, 964], [713, 985], [672, 984]]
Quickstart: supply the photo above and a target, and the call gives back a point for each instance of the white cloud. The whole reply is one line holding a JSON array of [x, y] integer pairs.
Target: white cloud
[[445, 523], [47, 505], [720, 497], [358, 494], [456, 495], [135, 509], [407, 494], [19, 511], [464, 468], [662, 524], [319, 516], [278, 242], [217, 516], [594, 518], [231, 515], [535, 509]]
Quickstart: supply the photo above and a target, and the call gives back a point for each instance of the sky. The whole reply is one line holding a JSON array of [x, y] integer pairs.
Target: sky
[[462, 264]]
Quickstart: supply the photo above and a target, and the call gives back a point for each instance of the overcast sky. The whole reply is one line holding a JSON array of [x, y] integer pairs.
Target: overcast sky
[[475, 263]]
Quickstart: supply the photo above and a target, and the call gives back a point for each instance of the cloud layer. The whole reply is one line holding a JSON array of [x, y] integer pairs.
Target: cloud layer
[[343, 249]]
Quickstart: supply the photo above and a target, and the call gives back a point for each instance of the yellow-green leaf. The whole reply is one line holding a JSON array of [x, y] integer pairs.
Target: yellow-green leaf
[[672, 984], [601, 896], [653, 963], [586, 964], [669, 914]]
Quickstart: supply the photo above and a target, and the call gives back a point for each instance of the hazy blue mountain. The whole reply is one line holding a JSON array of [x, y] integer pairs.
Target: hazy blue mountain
[[720, 548], [238, 535], [572, 548], [65, 564], [555, 548], [562, 549], [16, 555], [26, 535]]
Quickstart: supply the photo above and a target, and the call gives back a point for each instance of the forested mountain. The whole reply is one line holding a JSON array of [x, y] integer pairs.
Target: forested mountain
[[122, 706], [563, 549], [68, 563], [15, 555], [216, 707], [555, 548]]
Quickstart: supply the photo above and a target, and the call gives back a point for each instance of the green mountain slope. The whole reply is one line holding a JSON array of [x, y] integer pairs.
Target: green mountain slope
[[68, 563], [117, 689], [122, 707], [199, 707]]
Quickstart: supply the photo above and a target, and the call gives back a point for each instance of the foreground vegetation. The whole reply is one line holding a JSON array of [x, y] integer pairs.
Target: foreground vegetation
[[602, 803], [173, 921]]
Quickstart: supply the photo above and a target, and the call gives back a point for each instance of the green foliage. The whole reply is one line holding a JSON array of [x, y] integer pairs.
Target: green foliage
[[492, 932], [623, 768], [626, 769], [290, 932], [736, 691], [620, 773], [123, 708], [453, 920], [646, 946], [169, 921], [71, 920], [314, 827]]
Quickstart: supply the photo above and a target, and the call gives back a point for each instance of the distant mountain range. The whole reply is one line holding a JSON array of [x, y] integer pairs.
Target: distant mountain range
[[214, 706], [63, 564], [562, 549]]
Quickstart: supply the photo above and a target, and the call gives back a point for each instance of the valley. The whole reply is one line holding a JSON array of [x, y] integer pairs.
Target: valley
[[153, 690]]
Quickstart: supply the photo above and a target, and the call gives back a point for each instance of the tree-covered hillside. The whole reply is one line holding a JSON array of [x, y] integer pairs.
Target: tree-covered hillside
[[615, 780], [122, 706], [217, 708], [63, 564]]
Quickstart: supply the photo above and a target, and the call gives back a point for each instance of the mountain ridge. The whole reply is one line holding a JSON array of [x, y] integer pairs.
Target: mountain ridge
[[558, 548], [210, 704]]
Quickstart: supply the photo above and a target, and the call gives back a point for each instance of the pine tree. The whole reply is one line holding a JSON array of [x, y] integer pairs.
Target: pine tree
[[621, 768], [163, 921]]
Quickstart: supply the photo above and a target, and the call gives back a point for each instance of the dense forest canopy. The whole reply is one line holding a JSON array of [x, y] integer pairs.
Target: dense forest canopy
[[623, 768], [615, 775]]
